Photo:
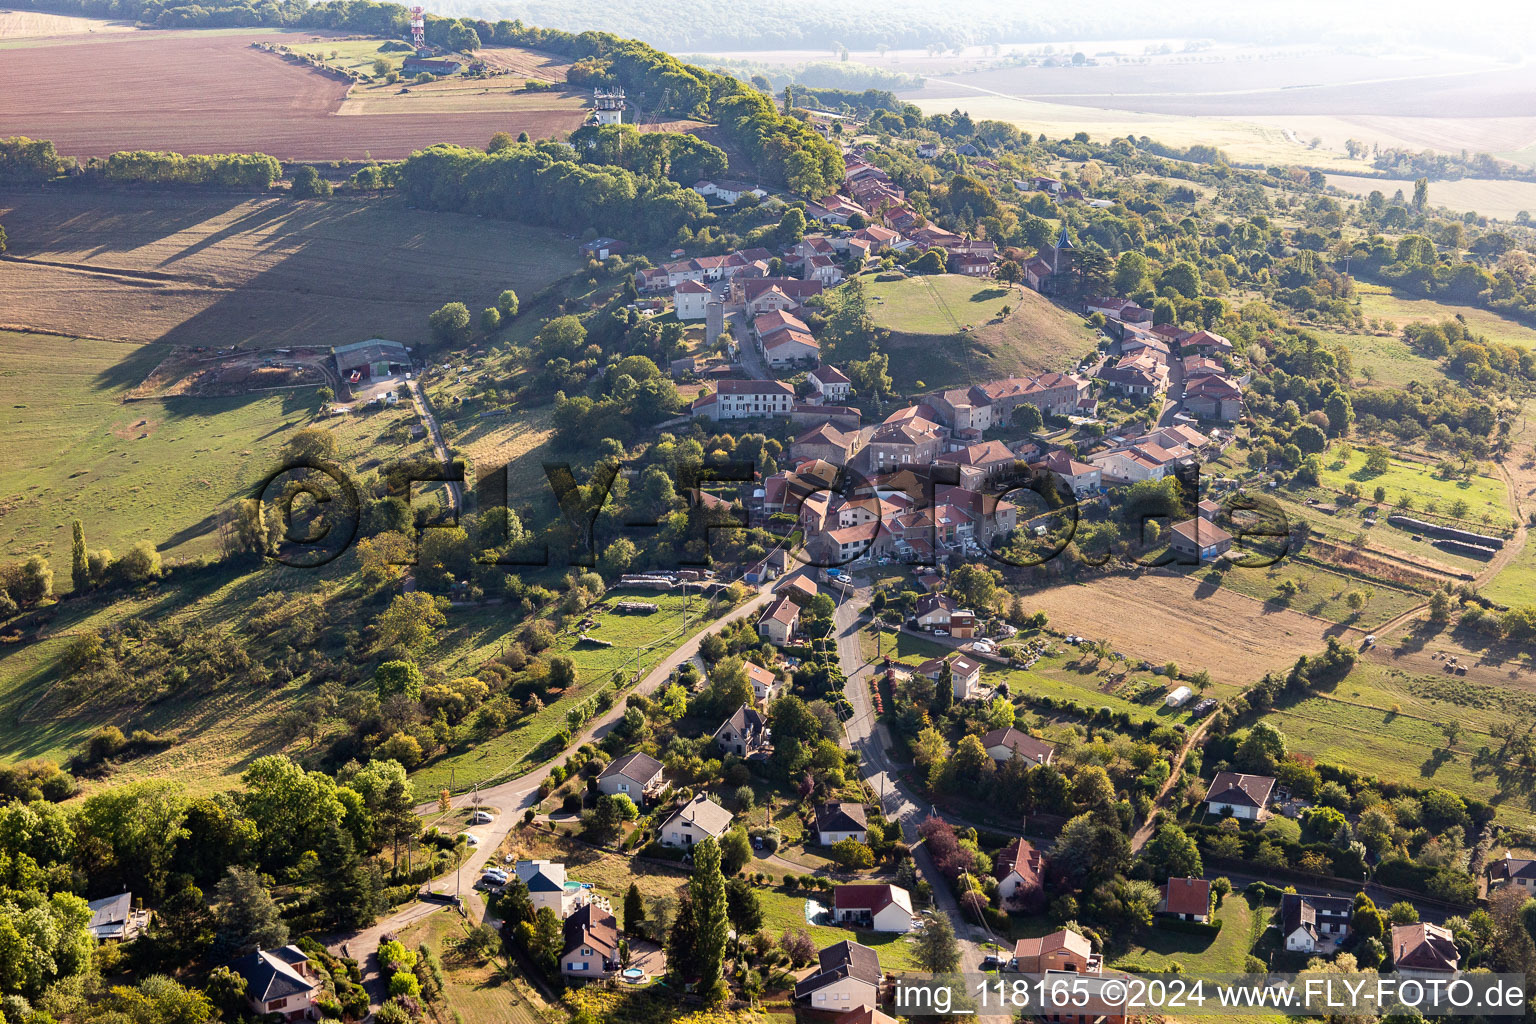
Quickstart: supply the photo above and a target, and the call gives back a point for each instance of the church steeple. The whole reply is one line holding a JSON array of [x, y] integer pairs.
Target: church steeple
[[1062, 243]]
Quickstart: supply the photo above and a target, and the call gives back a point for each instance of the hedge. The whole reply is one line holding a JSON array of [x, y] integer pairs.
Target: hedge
[[1174, 924]]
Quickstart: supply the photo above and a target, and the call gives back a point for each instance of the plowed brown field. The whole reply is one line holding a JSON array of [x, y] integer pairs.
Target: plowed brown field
[[211, 92]]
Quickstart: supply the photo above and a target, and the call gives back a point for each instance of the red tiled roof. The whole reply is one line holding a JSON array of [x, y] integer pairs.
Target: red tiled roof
[[1187, 896]]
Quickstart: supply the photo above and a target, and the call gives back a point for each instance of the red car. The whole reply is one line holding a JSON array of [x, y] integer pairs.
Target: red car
[[357, 375]]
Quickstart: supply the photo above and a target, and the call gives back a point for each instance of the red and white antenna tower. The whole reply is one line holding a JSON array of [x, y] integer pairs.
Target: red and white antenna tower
[[419, 27]]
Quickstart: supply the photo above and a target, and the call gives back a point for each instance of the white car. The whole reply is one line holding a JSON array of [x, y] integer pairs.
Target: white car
[[471, 839], [481, 818]]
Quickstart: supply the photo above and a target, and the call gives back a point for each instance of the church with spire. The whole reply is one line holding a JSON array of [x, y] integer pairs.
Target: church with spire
[[1046, 268]]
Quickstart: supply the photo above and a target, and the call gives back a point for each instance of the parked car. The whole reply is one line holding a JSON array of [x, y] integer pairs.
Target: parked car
[[482, 818], [991, 963]]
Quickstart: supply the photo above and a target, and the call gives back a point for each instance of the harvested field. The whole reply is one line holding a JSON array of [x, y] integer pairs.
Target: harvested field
[[258, 273], [504, 96], [212, 92], [547, 67], [18, 25], [1491, 198], [1166, 618]]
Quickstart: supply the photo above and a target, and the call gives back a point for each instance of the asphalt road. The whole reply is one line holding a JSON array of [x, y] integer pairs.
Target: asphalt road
[[868, 738]]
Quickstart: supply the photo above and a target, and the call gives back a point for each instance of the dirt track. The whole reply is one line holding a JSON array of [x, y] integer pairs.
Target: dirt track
[[1172, 618]]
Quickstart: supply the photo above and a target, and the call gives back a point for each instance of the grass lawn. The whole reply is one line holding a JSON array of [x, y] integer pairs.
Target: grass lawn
[[948, 330], [1242, 924], [1378, 302], [1483, 495], [482, 990]]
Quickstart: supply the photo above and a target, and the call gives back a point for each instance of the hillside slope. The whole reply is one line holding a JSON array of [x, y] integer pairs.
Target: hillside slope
[[948, 330]]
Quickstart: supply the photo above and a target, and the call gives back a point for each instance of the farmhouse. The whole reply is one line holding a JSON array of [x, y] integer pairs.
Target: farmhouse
[[847, 978], [696, 820], [1199, 540], [841, 820], [1423, 951], [591, 944], [826, 442], [1213, 397], [745, 400], [371, 359], [881, 907], [1241, 796], [744, 734], [1187, 899], [830, 383], [635, 775], [1002, 744], [1314, 924], [1082, 478], [279, 981], [1022, 885], [690, 298]]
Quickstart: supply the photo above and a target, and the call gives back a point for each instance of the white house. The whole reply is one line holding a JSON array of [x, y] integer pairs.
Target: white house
[[690, 298], [837, 821], [965, 674], [695, 821], [634, 775], [881, 907], [1314, 924], [547, 886], [279, 981], [831, 383], [765, 685], [1517, 871], [1187, 899], [1023, 882], [1243, 796], [847, 979], [728, 191], [1002, 744], [745, 399]]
